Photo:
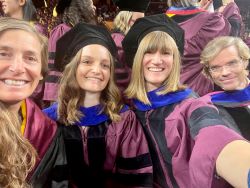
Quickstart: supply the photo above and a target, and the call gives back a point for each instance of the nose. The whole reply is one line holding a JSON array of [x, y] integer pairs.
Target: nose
[[157, 58], [17, 66], [225, 70], [96, 68]]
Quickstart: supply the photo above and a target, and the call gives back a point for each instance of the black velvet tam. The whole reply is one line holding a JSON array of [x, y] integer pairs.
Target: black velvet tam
[[143, 26], [81, 35], [132, 5]]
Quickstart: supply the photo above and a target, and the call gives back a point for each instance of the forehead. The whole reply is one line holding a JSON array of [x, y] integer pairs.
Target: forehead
[[226, 55], [18, 39], [95, 50]]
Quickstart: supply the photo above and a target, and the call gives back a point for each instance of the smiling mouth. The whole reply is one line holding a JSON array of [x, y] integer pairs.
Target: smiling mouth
[[94, 78], [14, 82], [155, 69]]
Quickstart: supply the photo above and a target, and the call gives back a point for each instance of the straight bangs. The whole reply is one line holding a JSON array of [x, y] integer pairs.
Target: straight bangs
[[156, 40]]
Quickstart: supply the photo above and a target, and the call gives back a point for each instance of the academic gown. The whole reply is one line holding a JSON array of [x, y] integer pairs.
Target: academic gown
[[52, 80], [185, 137], [102, 153], [237, 105], [46, 137]]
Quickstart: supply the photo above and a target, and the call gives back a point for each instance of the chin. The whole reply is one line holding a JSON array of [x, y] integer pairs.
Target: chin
[[229, 88]]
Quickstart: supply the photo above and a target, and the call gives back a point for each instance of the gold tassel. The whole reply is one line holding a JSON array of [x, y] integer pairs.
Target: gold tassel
[[54, 12]]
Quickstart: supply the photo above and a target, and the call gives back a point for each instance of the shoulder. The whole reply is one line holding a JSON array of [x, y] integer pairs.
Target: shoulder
[[37, 118], [189, 105], [127, 123], [59, 30]]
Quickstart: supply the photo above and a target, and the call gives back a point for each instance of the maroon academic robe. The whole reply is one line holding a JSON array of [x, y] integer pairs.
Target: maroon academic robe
[[46, 137], [51, 81]]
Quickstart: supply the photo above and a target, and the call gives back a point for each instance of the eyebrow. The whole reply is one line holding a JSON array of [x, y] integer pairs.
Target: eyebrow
[[3, 47]]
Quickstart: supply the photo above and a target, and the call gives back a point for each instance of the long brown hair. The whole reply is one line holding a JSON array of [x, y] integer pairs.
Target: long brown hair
[[17, 156], [71, 95]]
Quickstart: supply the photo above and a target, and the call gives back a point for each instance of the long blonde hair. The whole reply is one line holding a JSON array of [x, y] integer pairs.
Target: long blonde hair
[[71, 95], [151, 43], [17, 156]]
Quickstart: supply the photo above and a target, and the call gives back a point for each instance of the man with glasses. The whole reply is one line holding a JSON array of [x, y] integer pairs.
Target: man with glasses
[[225, 61]]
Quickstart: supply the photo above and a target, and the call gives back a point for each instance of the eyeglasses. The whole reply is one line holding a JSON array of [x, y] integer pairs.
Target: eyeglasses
[[231, 65]]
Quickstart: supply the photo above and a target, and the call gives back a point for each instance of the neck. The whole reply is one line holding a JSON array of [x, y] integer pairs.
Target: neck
[[18, 14], [91, 99], [14, 108]]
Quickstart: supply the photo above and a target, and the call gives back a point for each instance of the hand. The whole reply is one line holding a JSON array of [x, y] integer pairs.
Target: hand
[[204, 4]]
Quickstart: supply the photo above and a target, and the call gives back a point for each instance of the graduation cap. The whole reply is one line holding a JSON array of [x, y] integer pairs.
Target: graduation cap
[[61, 5], [132, 5], [143, 26], [39, 3], [82, 34]]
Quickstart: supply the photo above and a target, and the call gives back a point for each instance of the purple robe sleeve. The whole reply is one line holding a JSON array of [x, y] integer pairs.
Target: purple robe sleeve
[[232, 14], [198, 32], [196, 136], [127, 150]]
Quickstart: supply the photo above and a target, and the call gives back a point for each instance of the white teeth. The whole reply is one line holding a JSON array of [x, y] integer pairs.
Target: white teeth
[[155, 69], [14, 82], [93, 78]]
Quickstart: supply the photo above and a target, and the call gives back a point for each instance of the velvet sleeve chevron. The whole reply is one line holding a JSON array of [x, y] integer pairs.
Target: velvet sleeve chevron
[[133, 162]]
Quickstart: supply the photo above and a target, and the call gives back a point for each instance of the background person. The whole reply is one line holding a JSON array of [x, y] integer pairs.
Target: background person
[[129, 12]]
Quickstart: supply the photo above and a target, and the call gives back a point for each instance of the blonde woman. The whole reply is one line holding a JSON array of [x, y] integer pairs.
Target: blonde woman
[[17, 156], [105, 144], [190, 145]]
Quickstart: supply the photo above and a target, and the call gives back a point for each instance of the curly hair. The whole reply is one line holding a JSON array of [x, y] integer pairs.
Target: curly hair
[[71, 95], [17, 156], [79, 11]]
